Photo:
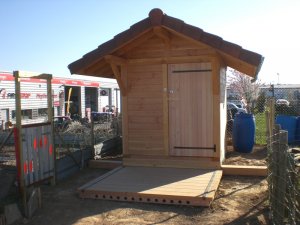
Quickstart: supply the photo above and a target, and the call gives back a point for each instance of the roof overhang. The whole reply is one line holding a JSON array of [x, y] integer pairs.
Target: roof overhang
[[95, 63]]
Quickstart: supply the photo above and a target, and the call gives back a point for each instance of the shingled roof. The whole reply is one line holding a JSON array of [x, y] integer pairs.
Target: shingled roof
[[158, 18]]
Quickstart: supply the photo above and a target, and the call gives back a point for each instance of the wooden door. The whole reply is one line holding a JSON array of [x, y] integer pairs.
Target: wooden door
[[190, 110]]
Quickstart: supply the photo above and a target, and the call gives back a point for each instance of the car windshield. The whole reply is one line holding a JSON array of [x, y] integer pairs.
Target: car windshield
[[231, 105]]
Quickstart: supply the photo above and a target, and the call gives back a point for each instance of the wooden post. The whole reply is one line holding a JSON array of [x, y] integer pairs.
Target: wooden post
[[292, 183], [92, 137], [274, 170], [19, 135], [272, 114], [268, 126], [124, 100], [215, 82], [270, 141], [50, 119], [282, 170]]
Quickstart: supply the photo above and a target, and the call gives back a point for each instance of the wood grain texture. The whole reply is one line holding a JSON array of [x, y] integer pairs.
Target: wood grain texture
[[124, 110], [223, 114], [145, 110], [155, 47], [105, 164], [245, 170], [216, 105], [156, 185], [171, 161], [165, 109], [190, 109]]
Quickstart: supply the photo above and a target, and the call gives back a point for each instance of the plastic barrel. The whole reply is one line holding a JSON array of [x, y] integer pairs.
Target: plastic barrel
[[288, 123], [243, 132], [297, 134]]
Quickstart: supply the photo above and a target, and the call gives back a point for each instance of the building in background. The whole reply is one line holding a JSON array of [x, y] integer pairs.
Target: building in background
[[78, 97], [290, 92]]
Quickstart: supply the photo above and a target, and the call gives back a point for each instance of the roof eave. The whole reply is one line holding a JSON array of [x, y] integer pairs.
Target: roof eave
[[158, 18], [258, 70]]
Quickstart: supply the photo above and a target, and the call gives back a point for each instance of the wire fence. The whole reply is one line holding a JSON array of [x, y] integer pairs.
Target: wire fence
[[286, 101], [71, 136], [283, 179], [7, 150], [280, 106]]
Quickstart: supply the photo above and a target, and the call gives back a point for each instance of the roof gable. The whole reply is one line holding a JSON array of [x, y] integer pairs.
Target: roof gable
[[234, 55], [156, 47]]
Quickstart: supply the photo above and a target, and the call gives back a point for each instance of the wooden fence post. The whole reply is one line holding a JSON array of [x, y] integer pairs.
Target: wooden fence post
[[291, 190], [270, 146], [268, 127], [274, 168], [272, 115], [92, 137], [18, 143], [282, 170]]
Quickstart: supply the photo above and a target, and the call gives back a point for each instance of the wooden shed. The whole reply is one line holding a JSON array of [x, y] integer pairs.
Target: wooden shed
[[172, 77]]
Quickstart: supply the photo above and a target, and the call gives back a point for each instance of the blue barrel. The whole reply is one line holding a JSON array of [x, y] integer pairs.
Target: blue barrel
[[243, 132], [297, 135], [288, 123]]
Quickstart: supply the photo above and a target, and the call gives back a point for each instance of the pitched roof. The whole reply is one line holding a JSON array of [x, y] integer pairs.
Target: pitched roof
[[158, 18]]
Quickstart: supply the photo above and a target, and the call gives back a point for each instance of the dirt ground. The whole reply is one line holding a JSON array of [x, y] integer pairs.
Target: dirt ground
[[256, 158], [239, 200]]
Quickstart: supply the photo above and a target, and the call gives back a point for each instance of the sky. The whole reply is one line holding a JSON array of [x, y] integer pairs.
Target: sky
[[47, 35]]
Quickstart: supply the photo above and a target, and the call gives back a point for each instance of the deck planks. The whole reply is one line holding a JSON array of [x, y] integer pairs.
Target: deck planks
[[155, 185]]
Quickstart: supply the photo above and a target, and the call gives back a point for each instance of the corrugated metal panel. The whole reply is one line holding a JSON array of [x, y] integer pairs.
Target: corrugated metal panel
[[3, 115], [37, 148], [82, 97]]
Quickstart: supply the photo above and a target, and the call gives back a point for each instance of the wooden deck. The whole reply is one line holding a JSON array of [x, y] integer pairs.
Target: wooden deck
[[155, 185]]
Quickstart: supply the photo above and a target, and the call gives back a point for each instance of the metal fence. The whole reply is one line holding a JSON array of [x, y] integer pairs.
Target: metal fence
[[82, 134], [280, 106], [7, 150], [283, 179], [286, 103], [101, 137]]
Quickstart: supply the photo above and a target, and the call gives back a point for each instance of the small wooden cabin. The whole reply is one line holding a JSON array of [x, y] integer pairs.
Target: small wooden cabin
[[172, 77]]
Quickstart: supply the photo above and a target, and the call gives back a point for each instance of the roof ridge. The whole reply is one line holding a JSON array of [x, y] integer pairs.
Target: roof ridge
[[157, 17]]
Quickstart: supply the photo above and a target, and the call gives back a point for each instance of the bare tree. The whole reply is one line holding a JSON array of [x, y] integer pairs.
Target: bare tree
[[242, 85]]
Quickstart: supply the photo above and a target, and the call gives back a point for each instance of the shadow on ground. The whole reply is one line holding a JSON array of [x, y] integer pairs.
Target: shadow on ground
[[239, 200]]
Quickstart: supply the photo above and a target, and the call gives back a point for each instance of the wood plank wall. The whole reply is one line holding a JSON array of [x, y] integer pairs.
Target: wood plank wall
[[191, 109], [223, 111], [144, 81], [145, 110], [156, 48]]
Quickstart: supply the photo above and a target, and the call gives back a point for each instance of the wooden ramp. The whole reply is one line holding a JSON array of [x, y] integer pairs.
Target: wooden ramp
[[155, 185]]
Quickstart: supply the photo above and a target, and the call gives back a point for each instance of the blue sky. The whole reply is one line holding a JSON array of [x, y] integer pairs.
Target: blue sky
[[47, 35]]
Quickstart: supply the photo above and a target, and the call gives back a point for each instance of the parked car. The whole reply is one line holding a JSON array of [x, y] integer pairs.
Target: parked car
[[61, 122], [233, 107], [282, 102], [239, 103], [102, 117]]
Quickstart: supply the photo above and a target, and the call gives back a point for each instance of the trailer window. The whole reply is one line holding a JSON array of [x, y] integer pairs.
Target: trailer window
[[25, 114], [42, 112]]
